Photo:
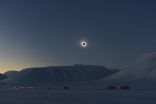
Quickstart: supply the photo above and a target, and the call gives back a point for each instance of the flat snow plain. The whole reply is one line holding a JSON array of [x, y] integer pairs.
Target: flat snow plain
[[87, 95]]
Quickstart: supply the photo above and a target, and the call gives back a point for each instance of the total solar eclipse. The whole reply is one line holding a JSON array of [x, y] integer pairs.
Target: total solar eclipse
[[83, 44]]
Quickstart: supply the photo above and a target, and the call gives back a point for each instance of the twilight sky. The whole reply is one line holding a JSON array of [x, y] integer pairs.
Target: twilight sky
[[48, 32]]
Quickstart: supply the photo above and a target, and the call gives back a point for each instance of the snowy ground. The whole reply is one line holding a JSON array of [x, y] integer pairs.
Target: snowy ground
[[77, 96]]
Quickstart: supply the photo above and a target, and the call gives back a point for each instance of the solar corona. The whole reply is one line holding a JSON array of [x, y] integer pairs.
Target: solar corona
[[83, 44]]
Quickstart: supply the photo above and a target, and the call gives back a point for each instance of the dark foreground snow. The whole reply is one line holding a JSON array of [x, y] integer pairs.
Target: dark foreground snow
[[77, 96]]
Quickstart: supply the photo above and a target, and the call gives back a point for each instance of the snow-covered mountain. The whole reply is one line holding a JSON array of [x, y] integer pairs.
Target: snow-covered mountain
[[58, 74], [10, 73], [2, 77], [143, 71]]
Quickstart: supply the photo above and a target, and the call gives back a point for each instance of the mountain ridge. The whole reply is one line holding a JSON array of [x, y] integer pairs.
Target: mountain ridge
[[59, 74]]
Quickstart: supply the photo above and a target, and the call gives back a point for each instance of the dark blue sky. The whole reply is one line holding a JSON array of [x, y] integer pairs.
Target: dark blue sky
[[48, 32]]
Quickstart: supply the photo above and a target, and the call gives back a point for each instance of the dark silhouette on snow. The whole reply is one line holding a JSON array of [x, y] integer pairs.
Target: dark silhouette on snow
[[125, 87], [111, 87], [49, 88], [66, 87]]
